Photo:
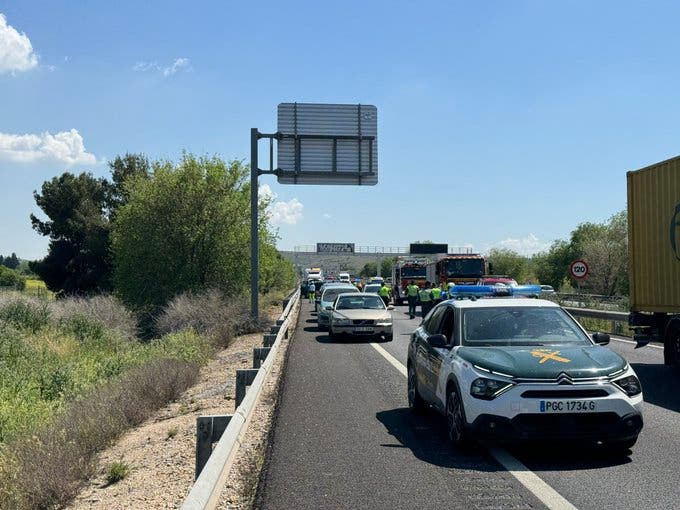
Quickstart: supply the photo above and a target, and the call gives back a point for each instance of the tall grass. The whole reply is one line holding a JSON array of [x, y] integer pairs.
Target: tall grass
[[210, 314], [74, 376]]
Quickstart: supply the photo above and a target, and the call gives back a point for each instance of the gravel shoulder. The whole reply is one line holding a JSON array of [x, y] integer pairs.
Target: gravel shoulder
[[161, 451]]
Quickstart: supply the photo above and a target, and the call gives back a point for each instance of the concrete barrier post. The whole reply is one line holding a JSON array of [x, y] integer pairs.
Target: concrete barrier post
[[209, 430], [259, 355], [268, 340], [244, 378]]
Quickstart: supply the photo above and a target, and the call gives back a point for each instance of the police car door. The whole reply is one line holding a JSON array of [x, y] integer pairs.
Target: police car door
[[427, 358]]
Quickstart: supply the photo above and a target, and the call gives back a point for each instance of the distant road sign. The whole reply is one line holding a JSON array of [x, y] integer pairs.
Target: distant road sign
[[578, 269], [428, 248], [335, 247], [327, 144]]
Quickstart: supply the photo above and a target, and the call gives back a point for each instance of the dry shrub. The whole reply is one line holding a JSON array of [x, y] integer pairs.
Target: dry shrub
[[52, 464], [209, 313], [104, 309]]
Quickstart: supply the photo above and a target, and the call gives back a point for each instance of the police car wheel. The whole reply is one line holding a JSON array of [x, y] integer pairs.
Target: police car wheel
[[415, 401], [455, 418]]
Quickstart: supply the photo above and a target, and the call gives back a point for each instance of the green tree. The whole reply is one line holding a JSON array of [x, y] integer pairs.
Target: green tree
[[79, 211], [386, 267], [605, 249], [78, 258], [552, 267], [11, 278], [369, 269], [11, 262], [187, 228], [508, 262]]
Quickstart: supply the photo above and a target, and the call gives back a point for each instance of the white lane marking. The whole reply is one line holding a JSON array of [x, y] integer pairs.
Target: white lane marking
[[546, 494], [393, 361], [635, 343]]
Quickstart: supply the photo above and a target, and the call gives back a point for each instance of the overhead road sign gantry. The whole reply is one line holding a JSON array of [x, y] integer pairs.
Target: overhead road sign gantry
[[316, 144]]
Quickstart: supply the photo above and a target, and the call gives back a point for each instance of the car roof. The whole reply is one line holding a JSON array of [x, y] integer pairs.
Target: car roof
[[343, 286], [501, 302], [361, 294]]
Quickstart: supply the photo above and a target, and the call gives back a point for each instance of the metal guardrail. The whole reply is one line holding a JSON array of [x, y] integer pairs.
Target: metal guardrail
[[206, 491], [598, 314]]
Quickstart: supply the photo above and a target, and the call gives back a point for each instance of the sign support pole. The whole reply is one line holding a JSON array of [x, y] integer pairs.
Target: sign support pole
[[254, 231]]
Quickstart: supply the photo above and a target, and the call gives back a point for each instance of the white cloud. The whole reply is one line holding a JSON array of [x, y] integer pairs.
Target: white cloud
[[527, 246], [63, 147], [327, 216], [179, 64], [282, 213], [16, 51]]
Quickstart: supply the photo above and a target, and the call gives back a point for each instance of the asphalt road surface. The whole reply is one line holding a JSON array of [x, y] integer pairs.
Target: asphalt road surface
[[344, 438]]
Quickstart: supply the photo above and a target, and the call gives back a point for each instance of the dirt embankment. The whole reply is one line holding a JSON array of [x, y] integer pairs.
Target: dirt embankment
[[161, 452]]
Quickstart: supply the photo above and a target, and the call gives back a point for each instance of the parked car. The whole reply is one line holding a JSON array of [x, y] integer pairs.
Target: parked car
[[360, 315], [372, 287], [328, 295], [515, 369]]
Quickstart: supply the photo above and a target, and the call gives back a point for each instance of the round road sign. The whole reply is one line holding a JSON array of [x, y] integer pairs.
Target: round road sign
[[578, 269]]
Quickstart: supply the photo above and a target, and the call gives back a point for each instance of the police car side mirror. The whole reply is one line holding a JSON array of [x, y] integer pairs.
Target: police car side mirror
[[601, 338], [390, 307], [437, 341]]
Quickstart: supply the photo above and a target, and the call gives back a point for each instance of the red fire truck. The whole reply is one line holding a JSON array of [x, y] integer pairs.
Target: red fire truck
[[405, 270], [466, 269]]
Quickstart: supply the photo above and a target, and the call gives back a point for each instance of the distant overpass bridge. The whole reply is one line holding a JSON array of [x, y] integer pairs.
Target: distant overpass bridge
[[307, 256]]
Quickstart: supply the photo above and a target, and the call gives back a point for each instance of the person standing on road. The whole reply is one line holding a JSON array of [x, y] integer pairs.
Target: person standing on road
[[436, 295], [312, 292], [425, 298], [384, 293], [445, 294], [412, 298]]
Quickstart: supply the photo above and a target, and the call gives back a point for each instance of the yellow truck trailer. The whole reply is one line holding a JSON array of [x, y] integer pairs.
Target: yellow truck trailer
[[654, 255]]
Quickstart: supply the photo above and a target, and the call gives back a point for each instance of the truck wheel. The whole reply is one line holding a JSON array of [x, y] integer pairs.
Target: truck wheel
[[671, 348]]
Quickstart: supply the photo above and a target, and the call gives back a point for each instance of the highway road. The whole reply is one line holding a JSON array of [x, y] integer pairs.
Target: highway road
[[344, 438]]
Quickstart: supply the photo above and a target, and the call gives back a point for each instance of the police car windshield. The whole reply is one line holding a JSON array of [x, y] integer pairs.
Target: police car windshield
[[520, 326], [359, 303]]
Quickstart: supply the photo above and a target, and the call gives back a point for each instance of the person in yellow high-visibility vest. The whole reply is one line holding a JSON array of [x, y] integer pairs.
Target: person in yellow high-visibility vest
[[436, 295], [425, 298], [384, 293], [412, 298]]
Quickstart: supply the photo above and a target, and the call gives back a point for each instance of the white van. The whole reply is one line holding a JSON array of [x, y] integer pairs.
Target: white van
[[344, 277]]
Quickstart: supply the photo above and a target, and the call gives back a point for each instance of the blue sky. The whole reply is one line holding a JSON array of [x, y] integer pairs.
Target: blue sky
[[500, 123]]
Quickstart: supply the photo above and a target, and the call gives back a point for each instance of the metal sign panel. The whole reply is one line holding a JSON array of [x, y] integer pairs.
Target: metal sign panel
[[327, 144], [335, 247], [428, 248]]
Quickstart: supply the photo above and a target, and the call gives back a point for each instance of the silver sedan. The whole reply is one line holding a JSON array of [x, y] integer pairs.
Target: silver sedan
[[360, 315]]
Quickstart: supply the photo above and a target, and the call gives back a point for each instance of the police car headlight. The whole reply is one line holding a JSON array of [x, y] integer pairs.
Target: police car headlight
[[630, 385], [488, 389], [341, 322], [383, 323]]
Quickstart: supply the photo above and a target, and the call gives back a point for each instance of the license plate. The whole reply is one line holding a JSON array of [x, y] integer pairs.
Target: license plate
[[364, 330], [568, 406]]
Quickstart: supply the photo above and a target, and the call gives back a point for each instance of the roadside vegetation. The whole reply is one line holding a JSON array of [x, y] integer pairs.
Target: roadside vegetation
[[146, 277], [603, 245]]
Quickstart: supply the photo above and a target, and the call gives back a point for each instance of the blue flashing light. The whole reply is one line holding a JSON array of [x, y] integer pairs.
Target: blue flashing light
[[493, 290]]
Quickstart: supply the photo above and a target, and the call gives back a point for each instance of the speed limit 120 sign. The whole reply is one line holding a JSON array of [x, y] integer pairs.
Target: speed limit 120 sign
[[578, 269]]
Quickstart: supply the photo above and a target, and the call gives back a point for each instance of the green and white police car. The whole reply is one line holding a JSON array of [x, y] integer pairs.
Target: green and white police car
[[516, 368]]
